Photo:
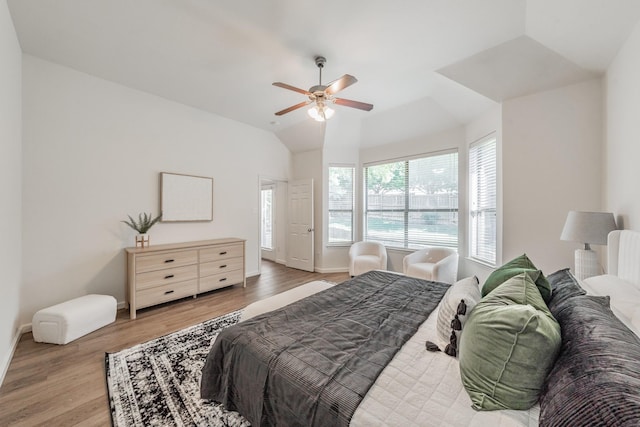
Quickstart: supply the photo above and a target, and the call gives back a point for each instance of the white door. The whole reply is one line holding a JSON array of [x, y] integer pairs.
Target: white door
[[300, 229]]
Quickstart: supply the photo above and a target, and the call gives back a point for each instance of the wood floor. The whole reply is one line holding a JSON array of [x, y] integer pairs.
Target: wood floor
[[65, 385]]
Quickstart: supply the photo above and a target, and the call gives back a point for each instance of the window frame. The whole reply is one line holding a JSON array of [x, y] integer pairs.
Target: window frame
[[263, 189], [408, 245], [352, 210], [472, 250]]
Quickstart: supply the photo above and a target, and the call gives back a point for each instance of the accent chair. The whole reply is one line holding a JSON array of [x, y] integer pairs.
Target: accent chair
[[367, 256], [432, 263]]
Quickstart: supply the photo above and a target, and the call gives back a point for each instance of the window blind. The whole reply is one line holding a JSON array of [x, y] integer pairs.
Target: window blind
[[340, 210], [413, 203], [483, 200], [266, 235]]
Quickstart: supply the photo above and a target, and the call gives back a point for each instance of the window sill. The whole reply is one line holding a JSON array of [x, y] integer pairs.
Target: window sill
[[339, 245], [481, 263]]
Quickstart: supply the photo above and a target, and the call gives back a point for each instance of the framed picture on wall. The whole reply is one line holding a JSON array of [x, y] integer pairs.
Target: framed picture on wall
[[185, 197]]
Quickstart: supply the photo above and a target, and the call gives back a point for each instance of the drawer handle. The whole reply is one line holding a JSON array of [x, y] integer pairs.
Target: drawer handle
[[223, 253], [168, 292], [223, 279], [169, 277], [223, 266], [166, 261]]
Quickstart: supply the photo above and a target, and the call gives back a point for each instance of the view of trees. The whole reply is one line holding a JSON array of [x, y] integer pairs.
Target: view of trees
[[413, 203]]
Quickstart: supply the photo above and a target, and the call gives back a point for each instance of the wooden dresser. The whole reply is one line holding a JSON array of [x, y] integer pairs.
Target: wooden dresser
[[162, 273]]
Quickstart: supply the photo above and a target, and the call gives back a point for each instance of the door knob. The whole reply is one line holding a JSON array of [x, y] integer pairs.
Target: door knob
[[309, 230]]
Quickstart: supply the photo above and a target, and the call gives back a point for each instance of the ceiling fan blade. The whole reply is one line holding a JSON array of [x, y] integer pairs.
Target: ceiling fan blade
[[294, 107], [353, 104], [293, 88], [337, 85]]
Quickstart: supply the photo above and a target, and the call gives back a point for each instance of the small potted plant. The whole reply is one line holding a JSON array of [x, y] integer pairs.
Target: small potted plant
[[142, 226]]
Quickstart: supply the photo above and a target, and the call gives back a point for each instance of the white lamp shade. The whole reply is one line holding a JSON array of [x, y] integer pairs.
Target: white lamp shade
[[588, 227], [320, 113]]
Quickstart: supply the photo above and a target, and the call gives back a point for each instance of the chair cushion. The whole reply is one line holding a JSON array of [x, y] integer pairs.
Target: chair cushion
[[422, 270], [364, 263]]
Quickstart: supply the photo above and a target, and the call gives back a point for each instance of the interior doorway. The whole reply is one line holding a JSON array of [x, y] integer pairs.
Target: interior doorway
[[273, 219]]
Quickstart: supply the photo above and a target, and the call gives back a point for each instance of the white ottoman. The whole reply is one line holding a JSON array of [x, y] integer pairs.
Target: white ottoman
[[63, 323]]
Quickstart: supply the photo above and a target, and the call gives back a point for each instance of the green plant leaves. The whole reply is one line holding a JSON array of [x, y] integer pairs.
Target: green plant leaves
[[144, 223]]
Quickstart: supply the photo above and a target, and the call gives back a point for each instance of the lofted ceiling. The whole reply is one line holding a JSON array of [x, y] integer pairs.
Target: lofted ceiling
[[426, 65]]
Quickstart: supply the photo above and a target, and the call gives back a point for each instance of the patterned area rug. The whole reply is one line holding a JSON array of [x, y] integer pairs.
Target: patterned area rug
[[157, 383]]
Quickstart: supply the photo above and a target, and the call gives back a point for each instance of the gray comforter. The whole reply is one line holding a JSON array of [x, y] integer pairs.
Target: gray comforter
[[311, 362]]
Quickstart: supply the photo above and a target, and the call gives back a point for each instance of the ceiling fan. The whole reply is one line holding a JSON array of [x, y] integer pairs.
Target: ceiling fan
[[321, 95]]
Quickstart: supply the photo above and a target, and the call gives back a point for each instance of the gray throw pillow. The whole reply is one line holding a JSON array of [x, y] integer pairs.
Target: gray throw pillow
[[596, 379]]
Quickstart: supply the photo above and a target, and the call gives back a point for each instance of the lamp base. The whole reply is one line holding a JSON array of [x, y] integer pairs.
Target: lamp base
[[587, 264]]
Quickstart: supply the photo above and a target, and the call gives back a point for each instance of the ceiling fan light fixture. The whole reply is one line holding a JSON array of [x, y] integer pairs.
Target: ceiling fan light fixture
[[320, 94], [320, 113]]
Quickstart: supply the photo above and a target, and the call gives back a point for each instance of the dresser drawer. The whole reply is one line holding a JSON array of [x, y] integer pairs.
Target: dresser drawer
[[222, 266], [216, 253], [168, 275], [168, 292], [165, 260], [220, 280], [163, 273]]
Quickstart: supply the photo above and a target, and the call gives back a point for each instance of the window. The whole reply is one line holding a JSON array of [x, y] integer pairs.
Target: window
[[482, 200], [413, 203], [340, 204], [266, 203]]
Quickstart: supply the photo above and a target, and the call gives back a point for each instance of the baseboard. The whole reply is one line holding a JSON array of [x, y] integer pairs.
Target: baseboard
[[332, 270], [121, 305], [14, 344], [252, 274]]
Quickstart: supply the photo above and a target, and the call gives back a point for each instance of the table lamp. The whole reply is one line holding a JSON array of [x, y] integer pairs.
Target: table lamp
[[590, 228]]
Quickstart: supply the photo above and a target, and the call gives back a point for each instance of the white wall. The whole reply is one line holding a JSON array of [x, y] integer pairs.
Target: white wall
[[551, 164], [93, 151], [622, 173], [10, 186], [451, 139]]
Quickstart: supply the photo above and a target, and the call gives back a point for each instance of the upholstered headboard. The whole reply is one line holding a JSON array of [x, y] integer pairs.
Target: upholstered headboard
[[624, 255]]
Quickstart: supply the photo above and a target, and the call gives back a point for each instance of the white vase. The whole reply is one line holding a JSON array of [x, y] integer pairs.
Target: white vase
[[142, 240]]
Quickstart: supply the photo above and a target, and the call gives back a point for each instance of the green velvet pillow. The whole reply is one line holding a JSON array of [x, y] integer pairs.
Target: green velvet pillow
[[508, 346], [521, 264]]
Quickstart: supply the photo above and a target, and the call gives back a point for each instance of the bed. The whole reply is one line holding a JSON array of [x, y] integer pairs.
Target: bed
[[398, 382]]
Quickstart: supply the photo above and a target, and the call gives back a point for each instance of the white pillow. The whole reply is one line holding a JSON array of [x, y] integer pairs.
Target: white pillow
[[467, 289], [625, 296]]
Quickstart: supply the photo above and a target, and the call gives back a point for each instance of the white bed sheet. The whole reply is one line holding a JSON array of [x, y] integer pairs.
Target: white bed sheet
[[418, 387], [421, 388]]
